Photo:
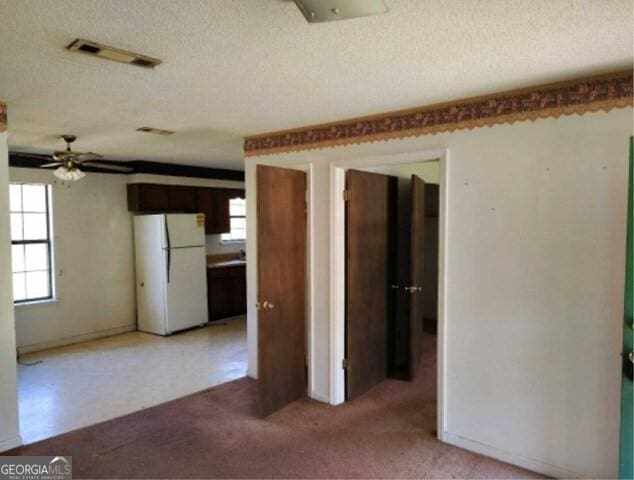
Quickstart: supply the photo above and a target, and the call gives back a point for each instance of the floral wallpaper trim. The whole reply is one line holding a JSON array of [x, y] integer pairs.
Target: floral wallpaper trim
[[604, 92], [3, 117]]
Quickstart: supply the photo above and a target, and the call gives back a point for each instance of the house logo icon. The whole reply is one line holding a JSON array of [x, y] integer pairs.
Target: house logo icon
[[60, 467]]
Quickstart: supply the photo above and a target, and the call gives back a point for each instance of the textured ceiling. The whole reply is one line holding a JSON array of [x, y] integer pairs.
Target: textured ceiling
[[238, 67]]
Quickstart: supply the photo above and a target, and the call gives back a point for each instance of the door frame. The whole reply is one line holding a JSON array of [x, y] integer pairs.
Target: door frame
[[338, 258]]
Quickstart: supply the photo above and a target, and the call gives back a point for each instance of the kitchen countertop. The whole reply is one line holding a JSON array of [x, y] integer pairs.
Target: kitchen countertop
[[226, 263]]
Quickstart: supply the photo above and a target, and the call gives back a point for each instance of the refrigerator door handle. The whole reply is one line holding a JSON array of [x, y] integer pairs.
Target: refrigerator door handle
[[169, 262], [169, 250]]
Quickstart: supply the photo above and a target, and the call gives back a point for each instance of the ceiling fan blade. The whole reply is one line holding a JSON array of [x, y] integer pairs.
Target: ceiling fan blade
[[52, 164], [107, 166], [85, 157]]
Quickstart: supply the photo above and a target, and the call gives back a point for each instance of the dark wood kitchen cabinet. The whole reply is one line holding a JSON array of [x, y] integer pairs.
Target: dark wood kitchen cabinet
[[222, 220], [226, 291], [182, 199], [144, 197], [148, 197], [213, 202], [205, 199]]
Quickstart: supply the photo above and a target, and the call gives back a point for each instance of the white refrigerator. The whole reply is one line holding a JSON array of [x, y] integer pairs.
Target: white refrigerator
[[171, 275]]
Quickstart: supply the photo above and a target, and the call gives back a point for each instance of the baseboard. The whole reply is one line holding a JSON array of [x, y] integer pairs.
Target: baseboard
[[10, 443], [509, 457], [319, 397], [60, 342], [252, 374]]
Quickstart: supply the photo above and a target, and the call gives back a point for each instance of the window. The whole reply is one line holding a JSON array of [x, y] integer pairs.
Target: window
[[30, 242], [238, 219]]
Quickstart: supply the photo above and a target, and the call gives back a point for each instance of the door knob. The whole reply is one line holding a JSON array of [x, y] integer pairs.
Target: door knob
[[266, 305]]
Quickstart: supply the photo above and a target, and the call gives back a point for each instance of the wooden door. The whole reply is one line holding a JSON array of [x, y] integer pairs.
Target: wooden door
[[281, 231], [367, 279], [626, 467], [430, 283], [417, 274]]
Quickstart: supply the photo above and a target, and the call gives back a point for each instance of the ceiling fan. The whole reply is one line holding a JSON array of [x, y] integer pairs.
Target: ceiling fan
[[68, 162]]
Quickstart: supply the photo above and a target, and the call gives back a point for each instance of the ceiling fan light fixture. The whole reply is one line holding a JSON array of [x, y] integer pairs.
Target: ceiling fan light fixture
[[68, 174], [317, 11]]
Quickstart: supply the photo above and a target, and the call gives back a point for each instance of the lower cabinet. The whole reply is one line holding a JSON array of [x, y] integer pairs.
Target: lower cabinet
[[226, 291]]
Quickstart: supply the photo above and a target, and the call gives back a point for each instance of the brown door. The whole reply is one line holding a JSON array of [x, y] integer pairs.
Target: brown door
[[367, 279], [281, 227], [417, 286]]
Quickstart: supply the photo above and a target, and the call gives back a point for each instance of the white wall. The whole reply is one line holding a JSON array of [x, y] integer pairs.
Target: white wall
[[93, 263], [9, 433], [535, 273]]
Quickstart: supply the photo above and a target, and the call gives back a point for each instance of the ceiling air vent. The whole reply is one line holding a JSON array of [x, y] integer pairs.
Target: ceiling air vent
[[111, 53], [317, 11], [155, 131]]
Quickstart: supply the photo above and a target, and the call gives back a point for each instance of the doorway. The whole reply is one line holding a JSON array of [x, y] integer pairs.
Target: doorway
[[431, 309], [388, 249]]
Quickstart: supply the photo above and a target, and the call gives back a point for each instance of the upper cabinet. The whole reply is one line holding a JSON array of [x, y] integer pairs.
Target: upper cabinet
[[213, 202], [182, 199], [143, 197], [205, 199], [222, 219]]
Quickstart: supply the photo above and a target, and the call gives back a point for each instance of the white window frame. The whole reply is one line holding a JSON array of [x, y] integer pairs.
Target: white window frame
[[224, 240], [48, 241]]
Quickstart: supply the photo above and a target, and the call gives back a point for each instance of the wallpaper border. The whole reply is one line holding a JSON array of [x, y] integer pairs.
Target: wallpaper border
[[576, 96], [3, 117]]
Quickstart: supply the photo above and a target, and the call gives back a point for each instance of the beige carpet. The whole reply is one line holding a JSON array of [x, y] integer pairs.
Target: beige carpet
[[386, 433]]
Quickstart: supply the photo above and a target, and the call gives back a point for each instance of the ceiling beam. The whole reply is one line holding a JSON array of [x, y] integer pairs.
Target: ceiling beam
[[31, 160]]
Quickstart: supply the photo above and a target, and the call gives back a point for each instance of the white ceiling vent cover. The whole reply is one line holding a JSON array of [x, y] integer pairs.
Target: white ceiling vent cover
[[330, 10], [111, 53]]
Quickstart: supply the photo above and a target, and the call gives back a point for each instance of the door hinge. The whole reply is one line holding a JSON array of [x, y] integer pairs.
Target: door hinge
[[344, 364], [346, 195]]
